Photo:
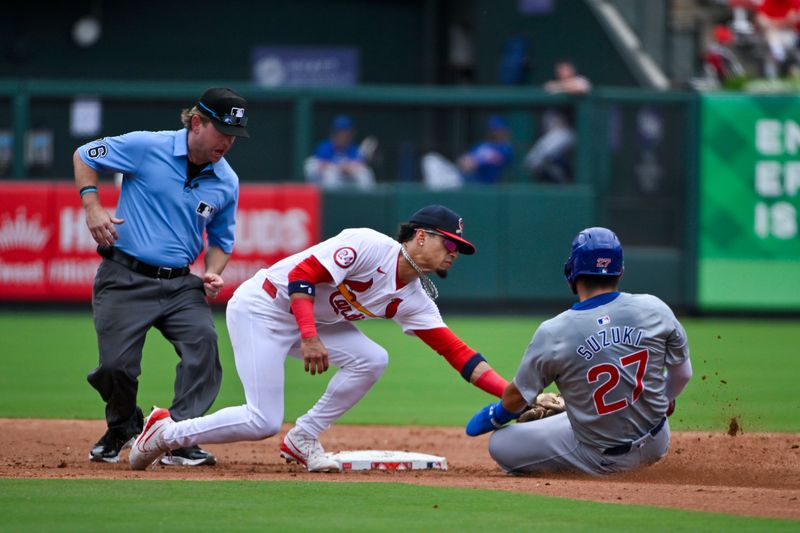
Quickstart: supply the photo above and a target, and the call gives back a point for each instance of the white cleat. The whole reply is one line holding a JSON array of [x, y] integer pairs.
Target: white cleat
[[300, 447], [149, 447]]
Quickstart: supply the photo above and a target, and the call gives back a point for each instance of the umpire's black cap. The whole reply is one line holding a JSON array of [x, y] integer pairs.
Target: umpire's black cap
[[446, 222], [226, 109]]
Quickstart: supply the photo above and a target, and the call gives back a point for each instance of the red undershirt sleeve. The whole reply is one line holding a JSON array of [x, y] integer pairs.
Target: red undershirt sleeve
[[310, 271]]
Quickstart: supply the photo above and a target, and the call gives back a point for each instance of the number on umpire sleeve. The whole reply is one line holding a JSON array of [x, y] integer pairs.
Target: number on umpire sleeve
[[98, 151]]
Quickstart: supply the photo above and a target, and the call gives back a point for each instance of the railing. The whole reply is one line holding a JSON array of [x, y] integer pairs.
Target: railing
[[301, 100]]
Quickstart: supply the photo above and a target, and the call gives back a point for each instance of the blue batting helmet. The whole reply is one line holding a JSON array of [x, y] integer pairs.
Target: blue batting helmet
[[595, 252]]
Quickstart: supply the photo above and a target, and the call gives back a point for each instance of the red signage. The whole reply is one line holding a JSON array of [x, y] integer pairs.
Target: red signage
[[48, 254]]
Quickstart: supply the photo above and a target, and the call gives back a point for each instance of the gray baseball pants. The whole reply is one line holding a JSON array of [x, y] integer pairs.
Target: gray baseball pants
[[549, 446], [125, 306]]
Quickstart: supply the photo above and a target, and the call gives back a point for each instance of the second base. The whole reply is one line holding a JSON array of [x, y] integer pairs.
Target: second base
[[388, 460]]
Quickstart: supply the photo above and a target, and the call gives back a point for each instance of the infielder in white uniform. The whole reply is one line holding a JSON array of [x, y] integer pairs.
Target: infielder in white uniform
[[618, 359], [303, 306]]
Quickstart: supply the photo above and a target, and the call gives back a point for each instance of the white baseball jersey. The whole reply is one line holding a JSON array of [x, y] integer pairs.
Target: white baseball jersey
[[607, 356], [363, 264]]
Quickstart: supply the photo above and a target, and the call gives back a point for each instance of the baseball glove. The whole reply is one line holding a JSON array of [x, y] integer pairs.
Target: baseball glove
[[546, 404]]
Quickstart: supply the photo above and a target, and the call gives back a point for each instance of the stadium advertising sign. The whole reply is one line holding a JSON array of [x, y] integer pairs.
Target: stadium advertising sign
[[48, 254], [749, 242], [305, 66]]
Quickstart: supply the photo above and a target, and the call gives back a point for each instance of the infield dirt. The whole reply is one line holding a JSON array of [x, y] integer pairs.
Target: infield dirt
[[752, 474]]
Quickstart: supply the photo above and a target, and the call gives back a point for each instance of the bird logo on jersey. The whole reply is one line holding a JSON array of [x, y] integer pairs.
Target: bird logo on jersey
[[345, 302]]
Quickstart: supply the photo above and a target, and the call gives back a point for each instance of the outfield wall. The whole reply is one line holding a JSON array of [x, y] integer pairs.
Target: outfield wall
[[48, 254], [522, 234]]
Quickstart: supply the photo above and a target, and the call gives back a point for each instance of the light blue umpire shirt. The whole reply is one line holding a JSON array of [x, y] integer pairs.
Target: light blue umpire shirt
[[164, 213]]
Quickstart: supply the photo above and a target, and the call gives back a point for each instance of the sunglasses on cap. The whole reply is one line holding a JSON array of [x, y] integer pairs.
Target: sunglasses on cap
[[449, 245], [232, 120]]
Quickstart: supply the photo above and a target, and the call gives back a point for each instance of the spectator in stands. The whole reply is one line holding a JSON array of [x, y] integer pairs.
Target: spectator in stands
[[777, 20], [741, 9], [486, 161], [550, 158], [515, 63], [719, 57], [338, 162], [568, 80]]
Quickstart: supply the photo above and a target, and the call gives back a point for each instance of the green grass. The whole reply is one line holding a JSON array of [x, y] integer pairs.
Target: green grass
[[85, 505], [742, 368]]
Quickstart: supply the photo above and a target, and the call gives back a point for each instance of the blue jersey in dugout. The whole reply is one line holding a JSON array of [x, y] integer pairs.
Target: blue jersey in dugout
[[493, 158], [328, 152], [165, 213]]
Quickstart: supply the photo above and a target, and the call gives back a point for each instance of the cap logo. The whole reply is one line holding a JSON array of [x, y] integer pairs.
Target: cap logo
[[460, 229], [237, 112]]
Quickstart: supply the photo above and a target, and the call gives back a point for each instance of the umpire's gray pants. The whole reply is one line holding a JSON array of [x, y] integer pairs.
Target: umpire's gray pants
[[549, 445], [125, 306]]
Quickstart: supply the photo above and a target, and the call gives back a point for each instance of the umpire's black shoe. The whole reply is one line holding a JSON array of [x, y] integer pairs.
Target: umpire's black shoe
[[191, 456], [107, 449]]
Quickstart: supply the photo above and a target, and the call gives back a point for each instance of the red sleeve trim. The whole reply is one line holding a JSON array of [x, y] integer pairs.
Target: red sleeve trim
[[448, 345], [303, 310], [311, 270]]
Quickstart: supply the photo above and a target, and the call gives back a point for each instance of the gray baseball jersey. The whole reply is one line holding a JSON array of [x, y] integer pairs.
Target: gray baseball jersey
[[607, 355]]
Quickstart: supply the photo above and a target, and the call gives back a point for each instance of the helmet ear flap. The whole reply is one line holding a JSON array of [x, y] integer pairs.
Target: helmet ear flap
[[568, 275]]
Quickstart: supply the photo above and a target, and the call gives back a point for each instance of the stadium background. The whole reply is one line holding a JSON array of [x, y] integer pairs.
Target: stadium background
[[644, 165]]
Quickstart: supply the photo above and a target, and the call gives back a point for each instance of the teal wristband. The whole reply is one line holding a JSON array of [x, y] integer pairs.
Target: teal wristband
[[88, 189]]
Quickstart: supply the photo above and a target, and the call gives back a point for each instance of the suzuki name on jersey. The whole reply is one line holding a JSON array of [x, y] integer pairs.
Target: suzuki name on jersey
[[629, 336]]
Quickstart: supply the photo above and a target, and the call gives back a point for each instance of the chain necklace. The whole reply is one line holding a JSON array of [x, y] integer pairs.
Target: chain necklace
[[427, 285]]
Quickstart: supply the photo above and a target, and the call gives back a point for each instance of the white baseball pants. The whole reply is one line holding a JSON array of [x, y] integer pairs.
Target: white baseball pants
[[262, 334]]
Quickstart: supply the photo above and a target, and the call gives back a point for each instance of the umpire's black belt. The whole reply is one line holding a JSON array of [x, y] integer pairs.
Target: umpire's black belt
[[622, 449], [151, 271]]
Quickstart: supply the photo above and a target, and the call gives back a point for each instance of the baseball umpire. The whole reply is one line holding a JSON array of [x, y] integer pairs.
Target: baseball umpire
[[618, 359], [176, 185]]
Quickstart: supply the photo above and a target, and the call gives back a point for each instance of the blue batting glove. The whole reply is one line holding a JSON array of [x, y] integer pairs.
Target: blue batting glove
[[491, 417]]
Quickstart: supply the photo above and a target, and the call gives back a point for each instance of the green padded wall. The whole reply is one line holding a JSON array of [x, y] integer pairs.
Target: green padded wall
[[522, 234]]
